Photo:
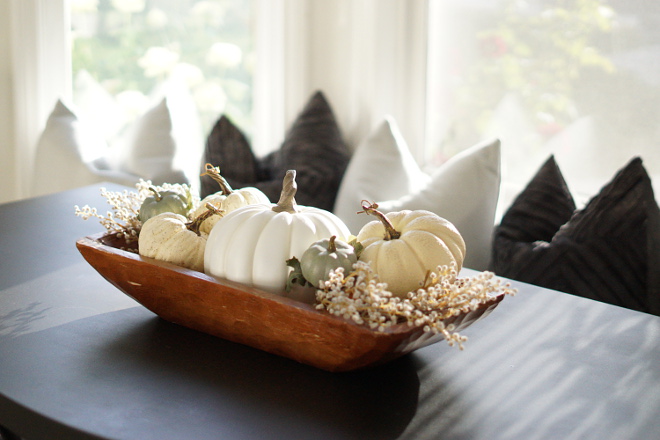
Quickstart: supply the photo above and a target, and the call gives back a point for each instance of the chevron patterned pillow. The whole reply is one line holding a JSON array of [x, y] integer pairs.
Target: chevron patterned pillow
[[607, 251]]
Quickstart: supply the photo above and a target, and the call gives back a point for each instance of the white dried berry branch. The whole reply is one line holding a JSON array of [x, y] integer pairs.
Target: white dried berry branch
[[123, 220], [359, 296]]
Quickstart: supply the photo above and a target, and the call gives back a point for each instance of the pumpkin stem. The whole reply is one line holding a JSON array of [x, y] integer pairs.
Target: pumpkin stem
[[332, 247], [214, 173], [157, 195], [287, 202], [197, 222], [371, 209]]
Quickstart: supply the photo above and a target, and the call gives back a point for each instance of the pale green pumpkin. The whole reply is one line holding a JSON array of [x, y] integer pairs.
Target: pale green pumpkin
[[164, 201], [324, 256]]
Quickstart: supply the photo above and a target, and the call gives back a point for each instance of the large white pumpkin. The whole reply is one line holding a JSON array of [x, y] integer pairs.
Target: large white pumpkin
[[250, 245], [402, 246]]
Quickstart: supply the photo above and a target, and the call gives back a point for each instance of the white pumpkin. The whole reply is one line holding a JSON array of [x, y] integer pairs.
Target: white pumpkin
[[172, 238], [250, 245], [227, 199], [401, 247]]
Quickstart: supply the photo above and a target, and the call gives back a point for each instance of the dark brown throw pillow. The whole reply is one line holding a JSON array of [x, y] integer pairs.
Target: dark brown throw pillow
[[313, 146], [541, 209], [608, 251], [227, 147]]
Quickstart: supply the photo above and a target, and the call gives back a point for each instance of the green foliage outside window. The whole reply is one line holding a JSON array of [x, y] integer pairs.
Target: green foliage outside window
[[538, 50], [134, 45]]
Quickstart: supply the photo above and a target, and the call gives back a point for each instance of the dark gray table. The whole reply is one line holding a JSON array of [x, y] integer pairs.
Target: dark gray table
[[79, 360]]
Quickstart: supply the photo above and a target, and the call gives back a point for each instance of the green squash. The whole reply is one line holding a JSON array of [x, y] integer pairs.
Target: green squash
[[326, 255], [164, 201]]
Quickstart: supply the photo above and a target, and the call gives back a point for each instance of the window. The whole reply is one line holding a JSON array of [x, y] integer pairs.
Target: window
[[130, 48], [593, 102], [575, 78]]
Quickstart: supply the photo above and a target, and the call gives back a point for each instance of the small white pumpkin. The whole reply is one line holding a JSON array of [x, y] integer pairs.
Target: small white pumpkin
[[171, 237], [250, 245], [227, 199], [401, 247]]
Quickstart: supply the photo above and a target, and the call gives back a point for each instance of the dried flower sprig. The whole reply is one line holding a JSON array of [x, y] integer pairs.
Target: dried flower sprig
[[360, 296], [123, 220]]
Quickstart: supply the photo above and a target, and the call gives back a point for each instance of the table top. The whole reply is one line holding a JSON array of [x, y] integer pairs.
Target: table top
[[80, 360]]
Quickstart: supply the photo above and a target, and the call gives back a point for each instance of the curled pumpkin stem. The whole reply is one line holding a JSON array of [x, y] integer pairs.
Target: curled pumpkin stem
[[214, 173], [157, 195], [372, 209], [196, 223], [332, 247], [287, 202]]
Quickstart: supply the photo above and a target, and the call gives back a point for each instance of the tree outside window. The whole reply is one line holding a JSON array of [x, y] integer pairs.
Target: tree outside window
[[129, 48]]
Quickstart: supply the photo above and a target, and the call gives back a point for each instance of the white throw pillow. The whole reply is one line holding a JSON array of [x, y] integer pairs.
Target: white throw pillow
[[148, 148], [381, 168], [69, 154], [464, 190], [165, 144], [98, 106]]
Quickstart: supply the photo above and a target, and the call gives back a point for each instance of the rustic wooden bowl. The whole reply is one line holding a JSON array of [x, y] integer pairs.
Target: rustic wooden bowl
[[253, 317]]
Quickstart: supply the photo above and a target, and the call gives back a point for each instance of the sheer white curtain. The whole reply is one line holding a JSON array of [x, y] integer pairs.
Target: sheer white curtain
[[8, 188], [40, 73]]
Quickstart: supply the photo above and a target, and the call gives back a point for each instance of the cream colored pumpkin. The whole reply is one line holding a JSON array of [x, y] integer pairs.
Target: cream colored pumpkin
[[171, 237], [402, 246], [227, 199], [251, 244]]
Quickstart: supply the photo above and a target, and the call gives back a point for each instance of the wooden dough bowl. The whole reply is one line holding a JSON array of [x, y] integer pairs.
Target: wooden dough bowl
[[250, 316]]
